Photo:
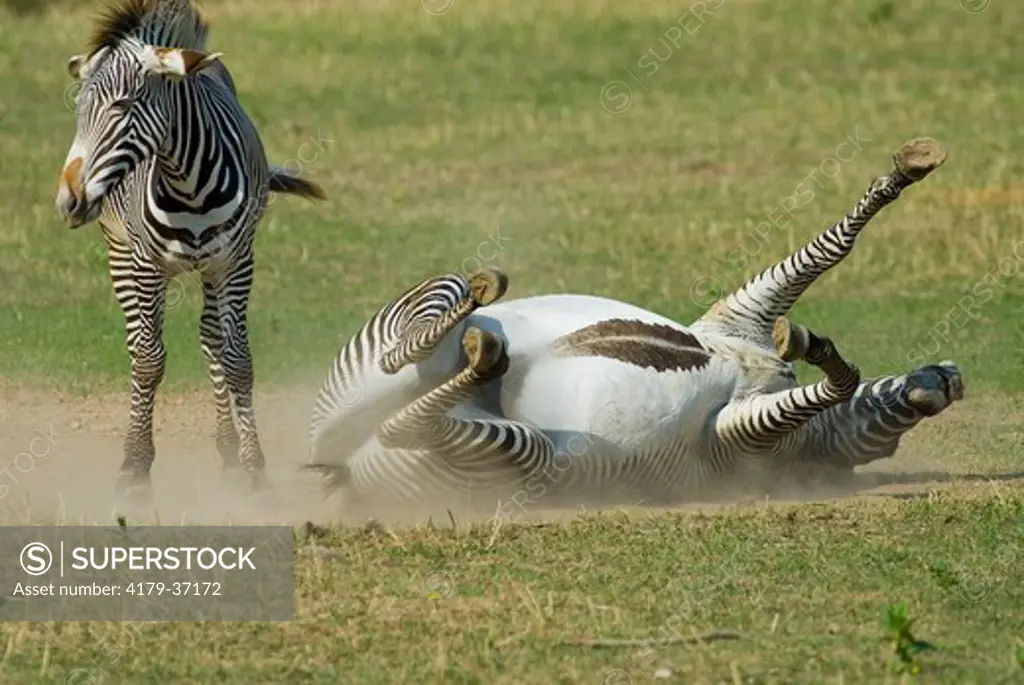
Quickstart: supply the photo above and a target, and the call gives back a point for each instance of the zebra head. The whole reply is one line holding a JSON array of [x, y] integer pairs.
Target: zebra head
[[123, 115]]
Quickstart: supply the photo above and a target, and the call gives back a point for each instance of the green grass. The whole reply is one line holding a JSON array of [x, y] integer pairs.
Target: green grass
[[439, 133], [805, 586], [444, 129]]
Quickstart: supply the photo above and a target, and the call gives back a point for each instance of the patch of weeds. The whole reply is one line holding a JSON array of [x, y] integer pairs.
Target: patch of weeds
[[905, 645]]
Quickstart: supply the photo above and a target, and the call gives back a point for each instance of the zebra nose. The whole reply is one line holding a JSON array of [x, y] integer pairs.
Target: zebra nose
[[71, 203], [73, 208], [67, 203]]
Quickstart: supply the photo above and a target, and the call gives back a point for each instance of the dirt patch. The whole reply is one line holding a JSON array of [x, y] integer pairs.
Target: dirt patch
[[62, 455], [59, 456]]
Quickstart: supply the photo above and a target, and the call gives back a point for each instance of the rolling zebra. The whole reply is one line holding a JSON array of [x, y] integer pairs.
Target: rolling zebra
[[174, 170], [564, 400]]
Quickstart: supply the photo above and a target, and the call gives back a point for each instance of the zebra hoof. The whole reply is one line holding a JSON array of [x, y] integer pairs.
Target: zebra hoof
[[485, 352], [933, 388], [332, 477], [487, 285], [791, 340], [919, 157]]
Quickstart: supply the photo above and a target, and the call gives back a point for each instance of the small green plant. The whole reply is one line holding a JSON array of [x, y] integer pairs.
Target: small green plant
[[905, 645]]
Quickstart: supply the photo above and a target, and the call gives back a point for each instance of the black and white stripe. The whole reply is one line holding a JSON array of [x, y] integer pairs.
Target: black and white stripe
[[751, 311], [183, 181], [404, 331], [744, 414]]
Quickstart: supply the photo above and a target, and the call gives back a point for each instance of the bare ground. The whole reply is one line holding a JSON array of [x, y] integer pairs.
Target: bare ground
[[62, 453]]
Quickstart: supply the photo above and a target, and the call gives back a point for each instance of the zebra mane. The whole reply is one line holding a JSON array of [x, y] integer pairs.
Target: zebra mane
[[161, 23]]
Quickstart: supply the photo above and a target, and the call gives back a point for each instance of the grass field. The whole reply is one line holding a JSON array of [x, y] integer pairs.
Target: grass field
[[631, 150]]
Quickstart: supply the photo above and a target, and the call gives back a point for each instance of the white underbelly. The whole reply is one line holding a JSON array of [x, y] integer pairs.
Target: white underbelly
[[623, 404]]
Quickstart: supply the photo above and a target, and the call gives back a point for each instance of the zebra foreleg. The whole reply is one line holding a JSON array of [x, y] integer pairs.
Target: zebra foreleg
[[211, 339], [753, 309], [232, 303], [140, 290], [422, 336], [498, 451], [757, 424]]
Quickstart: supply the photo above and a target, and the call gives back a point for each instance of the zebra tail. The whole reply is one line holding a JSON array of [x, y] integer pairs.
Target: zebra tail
[[281, 181]]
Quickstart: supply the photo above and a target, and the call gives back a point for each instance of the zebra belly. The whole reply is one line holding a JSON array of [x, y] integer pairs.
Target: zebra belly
[[633, 408], [592, 393]]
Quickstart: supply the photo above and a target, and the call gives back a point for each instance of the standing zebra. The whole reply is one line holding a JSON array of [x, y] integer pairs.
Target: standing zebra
[[599, 402], [174, 170]]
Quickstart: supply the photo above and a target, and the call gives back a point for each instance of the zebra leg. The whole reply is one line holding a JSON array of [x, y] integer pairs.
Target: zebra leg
[[407, 330], [140, 289], [752, 310], [758, 423], [423, 333], [869, 426], [482, 445], [211, 339], [231, 295]]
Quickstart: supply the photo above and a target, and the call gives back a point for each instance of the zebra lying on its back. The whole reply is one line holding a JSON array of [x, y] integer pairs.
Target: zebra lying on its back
[[597, 402], [174, 170]]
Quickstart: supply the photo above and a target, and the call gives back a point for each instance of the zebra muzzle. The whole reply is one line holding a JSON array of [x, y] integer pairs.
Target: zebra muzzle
[[87, 212], [71, 197]]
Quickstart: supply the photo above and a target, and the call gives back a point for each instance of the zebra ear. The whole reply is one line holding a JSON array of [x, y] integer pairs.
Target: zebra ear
[[76, 66], [178, 62]]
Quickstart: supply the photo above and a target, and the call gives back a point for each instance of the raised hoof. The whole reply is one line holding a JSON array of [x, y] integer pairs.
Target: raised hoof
[[487, 285], [919, 157], [933, 388], [791, 340], [485, 353]]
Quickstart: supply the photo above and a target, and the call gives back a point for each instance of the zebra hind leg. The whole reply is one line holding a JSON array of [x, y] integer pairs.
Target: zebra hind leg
[[426, 330], [485, 452], [760, 423], [794, 342], [751, 310]]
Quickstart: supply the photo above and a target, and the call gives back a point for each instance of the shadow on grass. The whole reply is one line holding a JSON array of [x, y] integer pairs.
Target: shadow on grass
[[874, 480], [863, 483]]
